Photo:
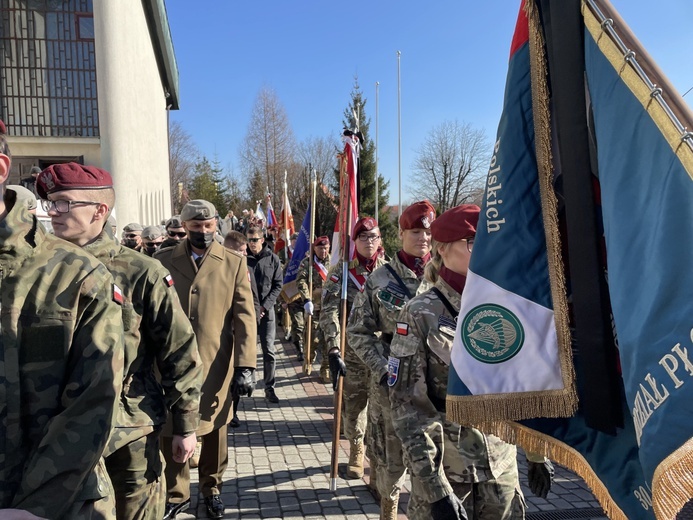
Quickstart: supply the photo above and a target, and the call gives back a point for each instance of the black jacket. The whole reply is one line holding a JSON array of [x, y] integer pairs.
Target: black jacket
[[267, 270]]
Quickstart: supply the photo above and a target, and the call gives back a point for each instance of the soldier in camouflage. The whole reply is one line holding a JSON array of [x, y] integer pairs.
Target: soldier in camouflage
[[61, 372], [163, 371], [369, 332], [366, 236], [320, 263], [456, 472]]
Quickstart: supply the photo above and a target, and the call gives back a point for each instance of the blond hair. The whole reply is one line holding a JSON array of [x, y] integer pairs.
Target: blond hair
[[435, 263]]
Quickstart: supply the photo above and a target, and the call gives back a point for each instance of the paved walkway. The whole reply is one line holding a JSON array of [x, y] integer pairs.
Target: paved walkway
[[279, 461]]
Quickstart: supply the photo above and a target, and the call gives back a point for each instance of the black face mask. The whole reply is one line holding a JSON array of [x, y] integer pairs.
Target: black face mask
[[200, 240], [151, 249], [130, 242]]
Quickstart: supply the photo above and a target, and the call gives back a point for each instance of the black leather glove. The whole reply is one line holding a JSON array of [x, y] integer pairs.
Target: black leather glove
[[540, 477], [243, 381], [448, 508], [383, 383], [337, 367]]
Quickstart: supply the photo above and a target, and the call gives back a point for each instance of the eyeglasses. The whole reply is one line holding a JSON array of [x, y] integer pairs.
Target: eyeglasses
[[470, 243], [64, 206], [131, 235], [253, 240], [177, 234], [368, 238]]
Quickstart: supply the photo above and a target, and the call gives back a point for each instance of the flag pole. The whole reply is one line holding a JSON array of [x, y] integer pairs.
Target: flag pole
[[377, 173], [307, 365], [286, 322], [399, 133], [346, 230]]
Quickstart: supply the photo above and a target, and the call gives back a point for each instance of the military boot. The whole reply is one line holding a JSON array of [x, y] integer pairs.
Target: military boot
[[325, 376], [299, 350], [355, 464], [388, 508]]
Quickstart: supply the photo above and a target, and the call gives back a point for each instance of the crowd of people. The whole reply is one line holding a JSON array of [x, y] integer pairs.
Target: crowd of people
[[122, 357]]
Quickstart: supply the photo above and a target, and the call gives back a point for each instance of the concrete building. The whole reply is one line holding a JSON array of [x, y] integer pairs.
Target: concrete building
[[92, 81]]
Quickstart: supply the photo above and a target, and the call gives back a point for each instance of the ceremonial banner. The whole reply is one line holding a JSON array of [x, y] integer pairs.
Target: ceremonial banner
[[289, 289], [271, 217], [348, 167], [511, 341], [286, 223]]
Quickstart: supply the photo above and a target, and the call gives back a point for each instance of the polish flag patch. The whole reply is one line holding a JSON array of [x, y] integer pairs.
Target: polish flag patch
[[117, 295], [334, 278], [402, 328], [168, 280]]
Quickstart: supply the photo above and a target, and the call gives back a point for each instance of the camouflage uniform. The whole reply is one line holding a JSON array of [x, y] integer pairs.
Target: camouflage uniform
[[355, 389], [318, 338], [158, 340], [443, 456], [60, 375], [376, 310]]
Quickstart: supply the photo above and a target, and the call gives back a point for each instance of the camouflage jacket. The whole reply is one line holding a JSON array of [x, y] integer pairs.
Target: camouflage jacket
[[61, 370], [419, 361], [330, 321], [302, 281], [376, 310], [159, 340]]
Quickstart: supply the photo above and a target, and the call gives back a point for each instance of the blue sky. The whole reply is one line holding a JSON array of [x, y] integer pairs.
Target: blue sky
[[453, 65]]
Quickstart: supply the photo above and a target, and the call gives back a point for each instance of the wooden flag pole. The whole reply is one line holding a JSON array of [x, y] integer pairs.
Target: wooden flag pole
[[307, 364]]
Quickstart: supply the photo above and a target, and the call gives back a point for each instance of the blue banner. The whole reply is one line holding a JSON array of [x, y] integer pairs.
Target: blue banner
[[289, 291]]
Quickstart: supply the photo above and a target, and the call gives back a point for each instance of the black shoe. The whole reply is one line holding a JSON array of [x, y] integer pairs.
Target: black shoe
[[215, 507], [271, 396], [173, 509], [235, 422], [299, 357]]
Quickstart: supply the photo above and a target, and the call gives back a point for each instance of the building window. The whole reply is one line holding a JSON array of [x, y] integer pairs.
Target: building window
[[48, 68]]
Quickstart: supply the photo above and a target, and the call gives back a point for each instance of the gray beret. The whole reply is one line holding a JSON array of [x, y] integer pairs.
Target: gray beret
[[198, 210], [152, 233], [27, 196], [174, 221], [133, 226], [111, 220]]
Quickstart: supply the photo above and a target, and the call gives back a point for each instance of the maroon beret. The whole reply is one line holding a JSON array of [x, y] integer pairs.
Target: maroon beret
[[71, 176], [363, 224], [456, 223], [321, 241], [419, 215]]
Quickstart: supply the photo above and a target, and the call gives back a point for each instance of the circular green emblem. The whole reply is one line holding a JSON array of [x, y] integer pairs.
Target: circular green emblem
[[492, 334]]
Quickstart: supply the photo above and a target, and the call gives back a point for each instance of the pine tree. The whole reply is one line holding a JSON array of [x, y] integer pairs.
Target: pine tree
[[366, 187], [209, 183]]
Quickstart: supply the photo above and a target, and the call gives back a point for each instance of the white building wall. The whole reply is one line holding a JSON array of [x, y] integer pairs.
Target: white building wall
[[132, 113]]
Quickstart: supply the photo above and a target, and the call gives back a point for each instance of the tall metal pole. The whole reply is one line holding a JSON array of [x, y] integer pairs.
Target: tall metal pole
[[377, 173], [399, 132]]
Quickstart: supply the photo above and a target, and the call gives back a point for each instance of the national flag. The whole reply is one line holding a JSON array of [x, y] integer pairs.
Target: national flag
[[168, 280], [117, 295], [348, 168], [286, 223], [507, 351], [259, 214], [289, 289], [271, 217]]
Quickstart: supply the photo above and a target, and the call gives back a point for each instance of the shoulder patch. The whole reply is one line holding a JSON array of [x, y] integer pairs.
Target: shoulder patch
[[168, 280], [117, 295], [402, 328], [392, 370], [334, 278], [447, 325]]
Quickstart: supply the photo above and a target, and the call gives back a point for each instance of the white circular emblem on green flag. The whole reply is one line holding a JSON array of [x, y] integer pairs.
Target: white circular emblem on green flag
[[492, 334]]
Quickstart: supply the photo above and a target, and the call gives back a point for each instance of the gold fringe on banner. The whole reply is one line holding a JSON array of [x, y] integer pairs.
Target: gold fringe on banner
[[549, 204], [541, 444], [672, 484]]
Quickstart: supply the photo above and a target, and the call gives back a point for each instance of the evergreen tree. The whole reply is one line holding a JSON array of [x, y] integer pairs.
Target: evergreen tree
[[210, 183], [367, 173]]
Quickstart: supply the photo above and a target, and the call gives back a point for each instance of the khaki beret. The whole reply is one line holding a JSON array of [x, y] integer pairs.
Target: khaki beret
[[198, 210], [152, 232], [132, 227]]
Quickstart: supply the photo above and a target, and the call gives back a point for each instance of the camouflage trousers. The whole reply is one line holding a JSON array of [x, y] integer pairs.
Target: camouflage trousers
[[96, 501], [317, 341], [295, 310], [496, 499], [136, 471], [383, 444], [355, 397]]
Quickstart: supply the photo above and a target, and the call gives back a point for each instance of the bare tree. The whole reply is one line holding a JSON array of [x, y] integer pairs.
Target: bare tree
[[183, 155], [268, 148], [451, 164]]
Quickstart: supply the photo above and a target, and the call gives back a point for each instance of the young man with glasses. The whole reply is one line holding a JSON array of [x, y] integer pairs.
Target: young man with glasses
[[366, 236], [320, 264], [158, 339], [175, 232], [267, 271], [371, 327], [61, 339]]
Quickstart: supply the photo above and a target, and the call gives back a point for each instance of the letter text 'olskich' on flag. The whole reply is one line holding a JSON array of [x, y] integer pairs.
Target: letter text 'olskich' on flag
[[512, 341]]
